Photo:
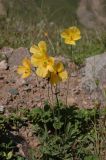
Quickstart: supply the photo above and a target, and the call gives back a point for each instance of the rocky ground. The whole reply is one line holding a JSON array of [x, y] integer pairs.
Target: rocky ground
[[33, 91]]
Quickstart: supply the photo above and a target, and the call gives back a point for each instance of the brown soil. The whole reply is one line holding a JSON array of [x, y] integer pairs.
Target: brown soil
[[33, 91]]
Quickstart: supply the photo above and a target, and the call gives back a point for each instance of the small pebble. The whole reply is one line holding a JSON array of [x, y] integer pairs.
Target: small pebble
[[74, 74], [13, 91], [2, 108]]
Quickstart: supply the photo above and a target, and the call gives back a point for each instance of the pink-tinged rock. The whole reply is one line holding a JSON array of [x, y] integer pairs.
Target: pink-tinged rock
[[17, 56], [3, 65]]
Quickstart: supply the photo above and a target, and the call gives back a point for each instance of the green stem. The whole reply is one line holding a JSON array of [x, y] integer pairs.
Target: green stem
[[52, 94], [67, 91], [49, 99], [56, 93], [71, 52], [46, 131]]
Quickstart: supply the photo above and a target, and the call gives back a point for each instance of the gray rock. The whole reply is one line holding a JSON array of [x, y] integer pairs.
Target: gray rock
[[3, 65], [95, 72], [7, 51], [17, 56], [2, 57], [92, 13]]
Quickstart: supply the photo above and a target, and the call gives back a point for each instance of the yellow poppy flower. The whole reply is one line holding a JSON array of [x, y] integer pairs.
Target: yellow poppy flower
[[39, 51], [45, 67], [39, 54], [25, 69], [71, 35], [59, 74]]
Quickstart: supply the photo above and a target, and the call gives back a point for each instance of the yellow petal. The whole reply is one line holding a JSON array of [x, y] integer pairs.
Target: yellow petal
[[42, 72], [37, 52], [51, 60], [63, 75], [47, 63], [42, 46], [26, 62], [50, 68], [54, 79], [36, 62], [59, 67], [34, 49], [65, 33], [74, 30], [77, 37], [50, 64], [21, 69], [26, 74], [68, 41], [24, 71]]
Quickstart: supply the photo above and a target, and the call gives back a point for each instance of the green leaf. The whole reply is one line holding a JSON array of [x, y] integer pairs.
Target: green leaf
[[36, 114], [93, 157], [9, 155], [21, 158], [46, 116], [57, 123]]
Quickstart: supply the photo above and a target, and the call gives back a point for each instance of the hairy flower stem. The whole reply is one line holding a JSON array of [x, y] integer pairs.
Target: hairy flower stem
[[67, 90], [71, 48], [52, 93], [46, 130], [39, 90], [56, 94], [58, 106], [49, 93], [69, 77]]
